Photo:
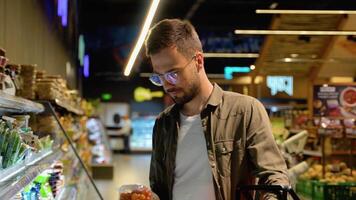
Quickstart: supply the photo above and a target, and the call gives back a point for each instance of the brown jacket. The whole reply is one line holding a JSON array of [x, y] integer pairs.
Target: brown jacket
[[239, 142]]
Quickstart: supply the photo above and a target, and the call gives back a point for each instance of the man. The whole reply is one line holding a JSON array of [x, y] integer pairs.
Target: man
[[211, 140]]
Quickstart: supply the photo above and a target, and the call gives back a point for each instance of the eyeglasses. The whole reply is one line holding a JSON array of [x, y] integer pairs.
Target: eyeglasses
[[170, 77]]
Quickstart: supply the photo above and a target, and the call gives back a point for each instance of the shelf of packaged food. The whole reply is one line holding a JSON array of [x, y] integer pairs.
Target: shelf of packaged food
[[330, 117], [11, 103], [98, 135], [342, 137], [312, 153], [69, 107], [15, 178], [343, 152], [79, 135], [286, 106]]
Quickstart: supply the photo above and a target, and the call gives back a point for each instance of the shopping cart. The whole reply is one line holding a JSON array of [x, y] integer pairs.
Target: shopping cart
[[252, 192]]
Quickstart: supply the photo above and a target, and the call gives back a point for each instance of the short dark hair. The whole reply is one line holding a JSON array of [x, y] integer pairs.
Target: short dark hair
[[173, 33]]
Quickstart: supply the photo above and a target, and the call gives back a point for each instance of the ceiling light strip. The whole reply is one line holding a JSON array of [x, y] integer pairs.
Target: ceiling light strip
[[141, 39], [309, 12], [293, 32], [231, 55]]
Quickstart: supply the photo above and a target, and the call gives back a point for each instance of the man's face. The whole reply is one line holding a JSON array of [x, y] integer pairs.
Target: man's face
[[187, 85]]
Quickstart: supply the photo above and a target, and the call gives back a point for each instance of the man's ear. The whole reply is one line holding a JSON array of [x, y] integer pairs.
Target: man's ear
[[199, 59]]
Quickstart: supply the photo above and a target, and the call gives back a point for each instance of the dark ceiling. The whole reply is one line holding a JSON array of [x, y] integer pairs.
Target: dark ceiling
[[110, 28], [215, 14]]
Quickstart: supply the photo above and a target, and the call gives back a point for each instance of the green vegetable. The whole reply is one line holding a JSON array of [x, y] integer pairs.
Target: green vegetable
[[22, 151], [4, 143], [9, 149], [15, 150], [2, 134]]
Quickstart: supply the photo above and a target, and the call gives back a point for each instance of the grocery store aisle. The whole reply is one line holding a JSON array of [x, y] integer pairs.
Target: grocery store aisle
[[128, 169]]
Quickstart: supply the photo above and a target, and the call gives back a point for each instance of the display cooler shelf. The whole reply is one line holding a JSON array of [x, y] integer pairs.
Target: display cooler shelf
[[68, 107], [312, 153], [10, 103], [15, 178]]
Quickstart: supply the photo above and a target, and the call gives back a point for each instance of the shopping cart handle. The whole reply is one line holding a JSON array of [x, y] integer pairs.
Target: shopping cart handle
[[280, 190]]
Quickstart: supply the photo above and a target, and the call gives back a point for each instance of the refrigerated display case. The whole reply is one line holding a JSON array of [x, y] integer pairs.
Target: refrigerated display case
[[141, 138], [43, 147]]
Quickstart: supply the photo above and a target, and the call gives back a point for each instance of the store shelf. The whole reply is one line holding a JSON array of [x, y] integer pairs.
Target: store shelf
[[69, 107], [286, 106], [295, 131], [329, 117], [10, 103], [312, 153], [15, 178], [95, 126], [340, 152]]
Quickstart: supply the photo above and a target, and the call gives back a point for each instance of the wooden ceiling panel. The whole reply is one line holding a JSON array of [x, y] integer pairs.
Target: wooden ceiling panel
[[280, 47], [284, 46], [309, 22]]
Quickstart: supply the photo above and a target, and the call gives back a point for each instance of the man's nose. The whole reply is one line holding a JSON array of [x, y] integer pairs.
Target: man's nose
[[166, 85]]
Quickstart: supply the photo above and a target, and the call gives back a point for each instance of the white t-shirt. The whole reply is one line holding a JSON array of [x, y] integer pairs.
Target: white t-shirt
[[193, 176]]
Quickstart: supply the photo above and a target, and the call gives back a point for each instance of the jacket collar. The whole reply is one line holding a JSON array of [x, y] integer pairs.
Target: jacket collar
[[216, 96]]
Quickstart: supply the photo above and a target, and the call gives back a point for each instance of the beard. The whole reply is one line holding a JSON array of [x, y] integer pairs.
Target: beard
[[188, 94]]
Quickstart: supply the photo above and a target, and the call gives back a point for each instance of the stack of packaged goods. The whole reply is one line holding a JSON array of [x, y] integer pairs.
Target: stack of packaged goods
[[67, 123], [49, 87], [28, 82], [100, 150], [47, 185], [54, 88], [13, 72], [3, 59], [75, 127], [9, 79], [74, 97], [89, 108]]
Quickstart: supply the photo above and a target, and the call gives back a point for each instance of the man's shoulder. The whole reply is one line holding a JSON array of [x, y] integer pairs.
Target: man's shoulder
[[238, 98], [237, 101], [166, 112]]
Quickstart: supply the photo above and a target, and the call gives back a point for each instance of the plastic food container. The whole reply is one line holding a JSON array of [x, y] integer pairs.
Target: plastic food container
[[136, 192]]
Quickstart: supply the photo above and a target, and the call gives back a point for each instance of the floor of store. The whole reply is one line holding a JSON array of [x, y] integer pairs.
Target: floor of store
[[128, 169]]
